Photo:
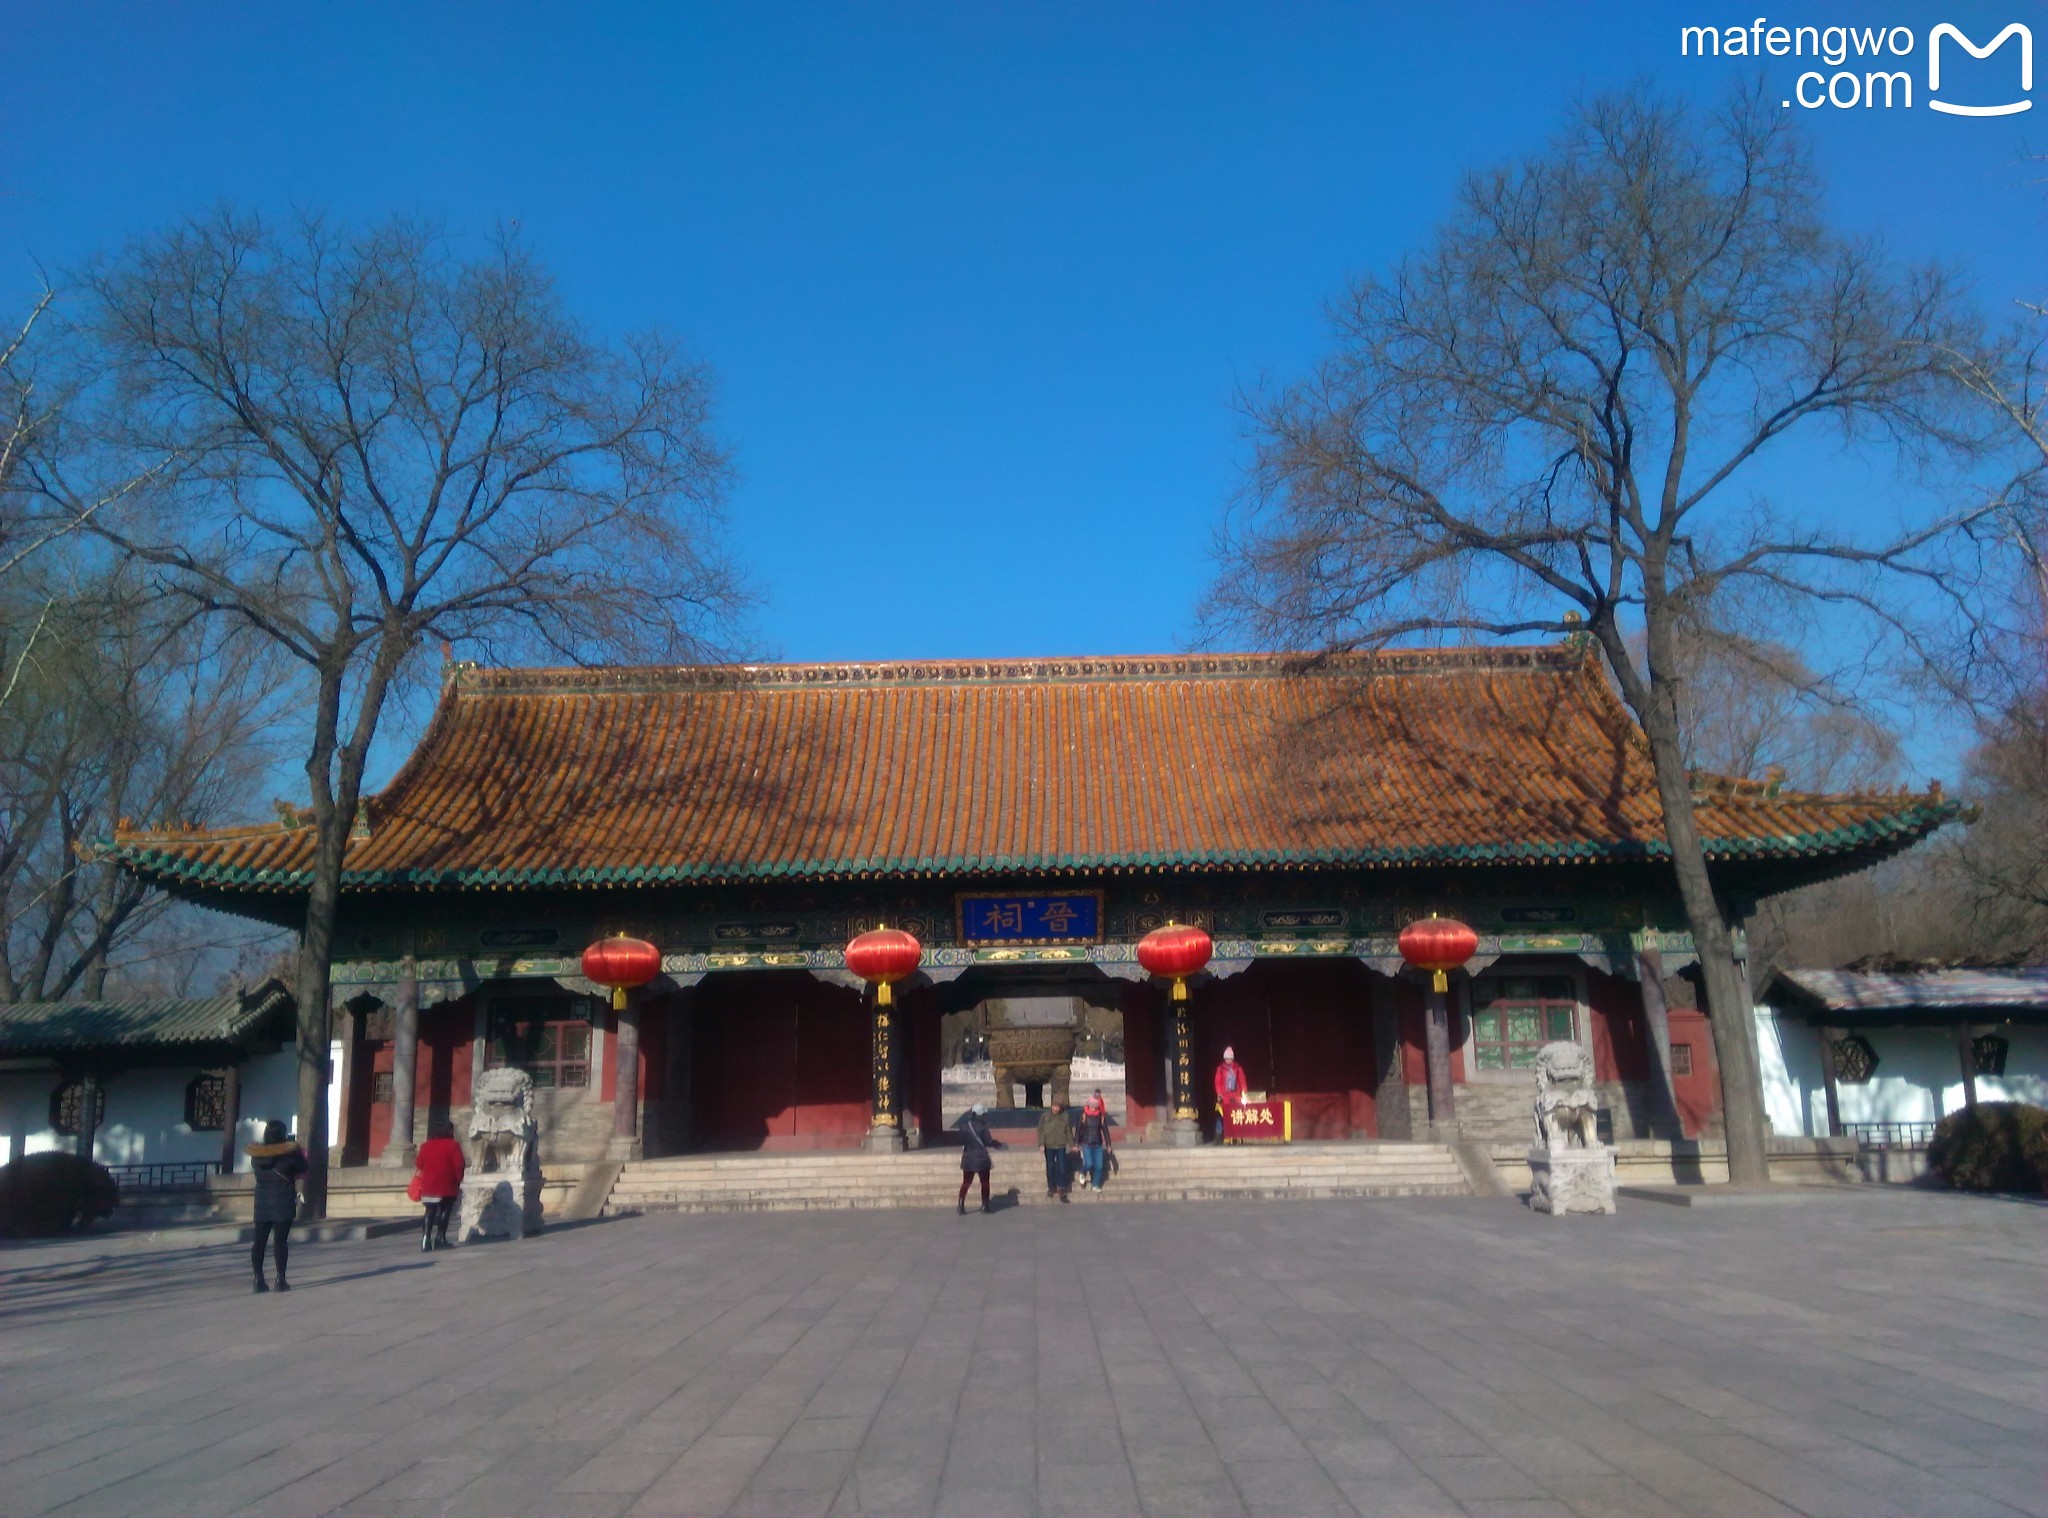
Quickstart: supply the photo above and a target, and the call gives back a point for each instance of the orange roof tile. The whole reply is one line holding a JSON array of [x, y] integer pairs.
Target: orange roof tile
[[822, 771]]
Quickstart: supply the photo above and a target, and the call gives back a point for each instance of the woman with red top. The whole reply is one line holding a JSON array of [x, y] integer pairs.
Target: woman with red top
[[1230, 1088], [437, 1182]]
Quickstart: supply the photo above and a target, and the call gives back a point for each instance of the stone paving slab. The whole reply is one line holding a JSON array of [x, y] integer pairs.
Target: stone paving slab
[[1876, 1353]]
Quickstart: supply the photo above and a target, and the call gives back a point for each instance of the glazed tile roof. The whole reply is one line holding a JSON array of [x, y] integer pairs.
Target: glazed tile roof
[[1213, 762], [1851, 993], [54, 1027]]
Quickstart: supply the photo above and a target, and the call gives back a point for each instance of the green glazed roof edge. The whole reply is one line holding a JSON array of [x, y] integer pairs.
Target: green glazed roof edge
[[147, 860]]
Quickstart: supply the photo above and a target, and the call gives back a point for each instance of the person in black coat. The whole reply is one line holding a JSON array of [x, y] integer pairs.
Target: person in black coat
[[278, 1163], [975, 1160]]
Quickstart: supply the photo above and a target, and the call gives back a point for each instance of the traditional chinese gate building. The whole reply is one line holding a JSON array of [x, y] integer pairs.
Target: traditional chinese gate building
[[1029, 822]]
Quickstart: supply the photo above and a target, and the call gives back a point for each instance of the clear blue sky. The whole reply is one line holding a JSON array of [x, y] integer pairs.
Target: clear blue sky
[[979, 281]]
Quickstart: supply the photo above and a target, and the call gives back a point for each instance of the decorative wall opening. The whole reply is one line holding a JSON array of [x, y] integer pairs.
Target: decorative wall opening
[[1987, 1054], [1855, 1061], [206, 1101], [67, 1105]]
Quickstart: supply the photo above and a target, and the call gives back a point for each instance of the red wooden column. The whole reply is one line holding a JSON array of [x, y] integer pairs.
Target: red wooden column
[[400, 1150], [625, 1143], [1443, 1100]]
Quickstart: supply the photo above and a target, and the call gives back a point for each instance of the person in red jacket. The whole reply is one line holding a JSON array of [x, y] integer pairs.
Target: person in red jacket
[[1230, 1087], [437, 1182]]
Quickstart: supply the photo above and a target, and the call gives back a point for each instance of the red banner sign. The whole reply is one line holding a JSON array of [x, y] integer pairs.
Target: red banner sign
[[1259, 1120]]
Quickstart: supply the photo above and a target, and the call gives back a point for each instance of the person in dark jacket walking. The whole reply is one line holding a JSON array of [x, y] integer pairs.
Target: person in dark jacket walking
[[437, 1182], [1056, 1137], [975, 1160], [1093, 1133], [278, 1163]]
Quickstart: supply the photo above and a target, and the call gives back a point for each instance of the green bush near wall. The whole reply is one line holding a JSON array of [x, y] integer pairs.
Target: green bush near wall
[[1993, 1146]]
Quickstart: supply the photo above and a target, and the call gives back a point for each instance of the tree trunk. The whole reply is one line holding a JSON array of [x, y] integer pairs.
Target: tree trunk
[[316, 959], [335, 771], [1729, 1014]]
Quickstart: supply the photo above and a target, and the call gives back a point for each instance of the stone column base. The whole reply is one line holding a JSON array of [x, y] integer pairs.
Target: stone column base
[[624, 1147], [398, 1156], [884, 1141], [1183, 1133]]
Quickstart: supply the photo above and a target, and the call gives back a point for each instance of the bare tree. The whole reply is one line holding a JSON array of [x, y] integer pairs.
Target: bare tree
[[29, 414], [20, 406], [120, 704], [381, 441], [2000, 673], [1750, 705], [1558, 407]]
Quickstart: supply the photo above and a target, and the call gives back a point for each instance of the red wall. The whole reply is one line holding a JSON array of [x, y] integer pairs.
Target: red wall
[[1698, 1095], [1621, 1031], [918, 1031], [781, 1062], [1303, 1033], [441, 1068], [1144, 1101]]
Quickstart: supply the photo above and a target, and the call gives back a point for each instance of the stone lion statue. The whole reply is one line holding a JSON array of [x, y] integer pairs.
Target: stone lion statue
[[1567, 1110], [501, 1193], [501, 1126]]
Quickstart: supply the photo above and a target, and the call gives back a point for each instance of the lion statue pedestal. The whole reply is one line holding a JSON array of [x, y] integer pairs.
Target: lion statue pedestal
[[501, 1192], [1570, 1170]]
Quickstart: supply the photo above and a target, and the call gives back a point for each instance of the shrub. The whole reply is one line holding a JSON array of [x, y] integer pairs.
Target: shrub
[[1993, 1146], [49, 1193]]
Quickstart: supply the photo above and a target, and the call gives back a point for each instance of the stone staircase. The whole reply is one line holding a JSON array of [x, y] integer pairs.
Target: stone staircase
[[788, 1182]]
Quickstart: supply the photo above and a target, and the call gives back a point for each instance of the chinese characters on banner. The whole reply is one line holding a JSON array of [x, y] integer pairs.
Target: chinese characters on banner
[[1260, 1120], [1031, 919]]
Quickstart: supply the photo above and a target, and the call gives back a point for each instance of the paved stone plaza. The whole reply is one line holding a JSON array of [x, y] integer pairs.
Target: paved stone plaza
[[1858, 1354]]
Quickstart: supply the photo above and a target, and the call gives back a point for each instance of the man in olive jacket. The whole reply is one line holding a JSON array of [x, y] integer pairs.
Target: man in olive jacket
[[1055, 1137]]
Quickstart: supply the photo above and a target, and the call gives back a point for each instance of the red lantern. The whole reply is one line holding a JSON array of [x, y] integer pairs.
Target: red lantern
[[882, 957], [1175, 952], [1438, 944], [621, 963]]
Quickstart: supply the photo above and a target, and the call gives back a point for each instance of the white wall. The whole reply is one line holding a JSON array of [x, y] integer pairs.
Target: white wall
[[270, 1089], [2026, 1070], [1919, 1076], [145, 1121], [25, 1114]]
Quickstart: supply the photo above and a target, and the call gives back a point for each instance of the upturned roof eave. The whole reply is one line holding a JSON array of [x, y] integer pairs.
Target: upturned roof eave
[[1898, 831]]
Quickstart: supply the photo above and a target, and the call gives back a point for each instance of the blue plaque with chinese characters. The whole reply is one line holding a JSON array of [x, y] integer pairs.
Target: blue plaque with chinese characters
[[1074, 918]]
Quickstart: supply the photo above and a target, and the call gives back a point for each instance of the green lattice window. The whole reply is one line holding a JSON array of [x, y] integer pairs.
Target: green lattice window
[[543, 1038], [1513, 1016]]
